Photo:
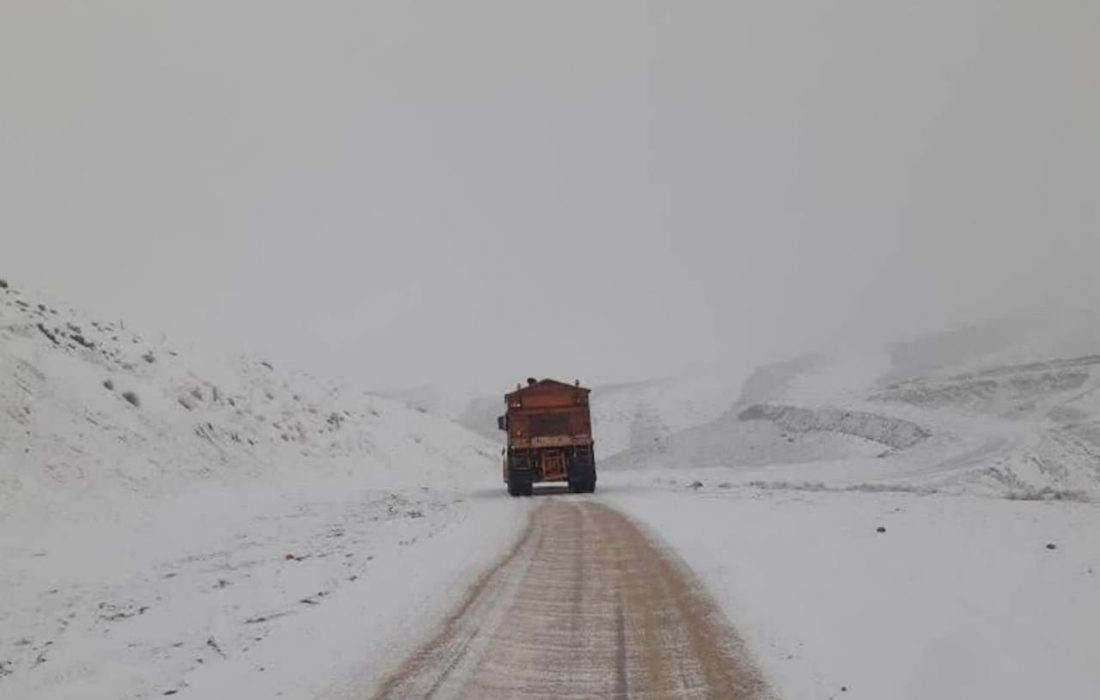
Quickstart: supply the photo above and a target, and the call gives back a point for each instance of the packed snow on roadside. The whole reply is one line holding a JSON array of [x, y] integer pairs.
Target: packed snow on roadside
[[175, 525], [957, 597]]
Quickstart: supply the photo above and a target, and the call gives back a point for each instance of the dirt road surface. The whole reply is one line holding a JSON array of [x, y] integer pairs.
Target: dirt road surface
[[585, 606]]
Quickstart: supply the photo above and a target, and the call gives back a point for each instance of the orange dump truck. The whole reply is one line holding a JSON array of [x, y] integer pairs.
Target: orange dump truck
[[549, 437]]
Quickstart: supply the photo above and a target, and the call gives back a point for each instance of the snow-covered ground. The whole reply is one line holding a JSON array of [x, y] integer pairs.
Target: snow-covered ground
[[294, 587], [977, 452], [231, 530], [172, 524], [958, 598]]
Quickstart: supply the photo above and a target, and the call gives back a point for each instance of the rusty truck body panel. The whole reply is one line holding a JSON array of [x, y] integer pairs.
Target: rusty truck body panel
[[549, 428]]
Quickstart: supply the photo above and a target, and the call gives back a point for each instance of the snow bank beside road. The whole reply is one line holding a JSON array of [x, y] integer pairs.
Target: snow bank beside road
[[959, 598], [346, 648], [281, 588]]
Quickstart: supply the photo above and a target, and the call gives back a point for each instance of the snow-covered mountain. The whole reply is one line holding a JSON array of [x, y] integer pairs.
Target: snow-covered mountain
[[1008, 408]]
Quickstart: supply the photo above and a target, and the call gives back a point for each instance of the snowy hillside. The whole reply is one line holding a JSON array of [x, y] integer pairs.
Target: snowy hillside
[[164, 516], [993, 409], [91, 406]]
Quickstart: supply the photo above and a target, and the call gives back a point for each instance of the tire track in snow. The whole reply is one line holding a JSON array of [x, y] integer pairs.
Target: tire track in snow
[[586, 605]]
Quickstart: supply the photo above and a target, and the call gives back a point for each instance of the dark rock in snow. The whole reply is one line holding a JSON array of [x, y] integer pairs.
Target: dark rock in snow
[[880, 529], [1051, 545], [46, 332]]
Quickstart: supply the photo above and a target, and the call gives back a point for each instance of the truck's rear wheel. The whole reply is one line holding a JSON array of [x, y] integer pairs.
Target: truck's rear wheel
[[582, 472], [520, 484], [584, 484]]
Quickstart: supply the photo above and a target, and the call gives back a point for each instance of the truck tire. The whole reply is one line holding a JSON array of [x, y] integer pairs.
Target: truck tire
[[520, 484], [582, 483], [586, 486], [582, 473]]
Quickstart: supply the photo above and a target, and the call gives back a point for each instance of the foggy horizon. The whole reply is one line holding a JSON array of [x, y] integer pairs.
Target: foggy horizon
[[415, 195]]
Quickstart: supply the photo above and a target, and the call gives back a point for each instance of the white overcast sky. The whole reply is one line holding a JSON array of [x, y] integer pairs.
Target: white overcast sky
[[471, 192]]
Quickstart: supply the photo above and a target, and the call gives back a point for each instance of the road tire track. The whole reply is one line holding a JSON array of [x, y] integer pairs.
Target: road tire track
[[585, 606]]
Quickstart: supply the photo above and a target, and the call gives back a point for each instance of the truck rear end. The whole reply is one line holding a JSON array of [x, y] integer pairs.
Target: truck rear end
[[549, 429]]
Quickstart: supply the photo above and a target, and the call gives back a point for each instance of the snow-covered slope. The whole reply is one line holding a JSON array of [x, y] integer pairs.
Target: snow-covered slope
[[167, 519], [1007, 341], [992, 409], [90, 406]]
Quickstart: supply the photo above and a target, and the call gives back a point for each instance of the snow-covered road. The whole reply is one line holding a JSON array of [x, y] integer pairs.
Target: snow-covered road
[[585, 606]]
